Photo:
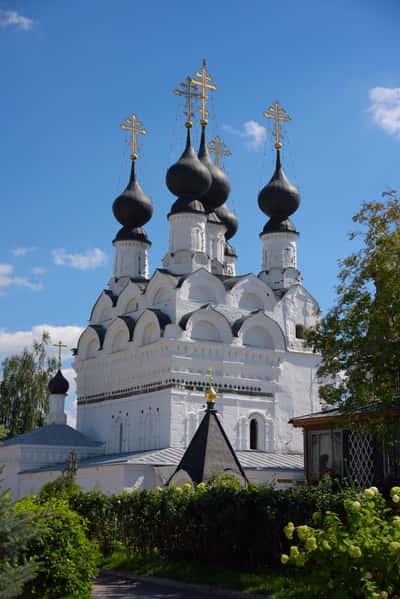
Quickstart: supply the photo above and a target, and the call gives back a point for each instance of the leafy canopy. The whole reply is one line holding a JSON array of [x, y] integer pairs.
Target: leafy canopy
[[359, 338], [23, 390]]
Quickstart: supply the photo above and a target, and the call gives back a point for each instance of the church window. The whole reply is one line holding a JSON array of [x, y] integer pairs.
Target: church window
[[253, 434], [121, 429], [300, 331]]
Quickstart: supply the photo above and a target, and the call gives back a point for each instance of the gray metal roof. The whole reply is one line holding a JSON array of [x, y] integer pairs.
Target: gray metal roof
[[171, 456], [53, 434]]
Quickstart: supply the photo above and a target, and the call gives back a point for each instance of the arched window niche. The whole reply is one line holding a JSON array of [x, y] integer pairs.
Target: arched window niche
[[253, 434]]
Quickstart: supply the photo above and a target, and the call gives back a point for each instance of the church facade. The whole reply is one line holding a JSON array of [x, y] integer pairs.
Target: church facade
[[143, 360]]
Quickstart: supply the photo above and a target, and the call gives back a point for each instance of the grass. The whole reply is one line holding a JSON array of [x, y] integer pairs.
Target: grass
[[194, 572]]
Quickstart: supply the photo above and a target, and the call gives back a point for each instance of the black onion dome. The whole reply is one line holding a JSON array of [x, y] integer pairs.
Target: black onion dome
[[188, 178], [133, 208], [58, 385], [279, 226], [228, 219], [136, 234], [186, 205], [220, 186], [279, 198]]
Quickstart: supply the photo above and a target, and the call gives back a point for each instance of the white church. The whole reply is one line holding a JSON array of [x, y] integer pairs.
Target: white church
[[143, 360]]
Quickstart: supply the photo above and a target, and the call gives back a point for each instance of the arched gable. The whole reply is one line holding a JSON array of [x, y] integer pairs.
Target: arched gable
[[259, 330], [202, 286], [306, 303], [159, 281], [91, 341], [119, 334], [250, 293], [207, 324], [103, 307], [130, 299], [150, 326]]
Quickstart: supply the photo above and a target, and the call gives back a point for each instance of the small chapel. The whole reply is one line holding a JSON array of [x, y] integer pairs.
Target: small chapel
[[143, 360]]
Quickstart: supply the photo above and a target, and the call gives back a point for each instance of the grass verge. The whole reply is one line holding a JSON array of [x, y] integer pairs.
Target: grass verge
[[194, 572]]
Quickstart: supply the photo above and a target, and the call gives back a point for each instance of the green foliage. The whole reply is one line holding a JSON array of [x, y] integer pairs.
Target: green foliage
[[67, 560], [220, 523], [360, 551], [359, 338], [62, 487], [99, 512], [16, 531], [23, 390]]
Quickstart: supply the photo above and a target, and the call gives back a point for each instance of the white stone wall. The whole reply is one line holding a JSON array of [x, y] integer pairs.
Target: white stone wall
[[142, 392], [131, 259]]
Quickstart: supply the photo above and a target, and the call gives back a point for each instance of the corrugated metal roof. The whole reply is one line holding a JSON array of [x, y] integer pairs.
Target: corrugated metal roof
[[53, 434], [171, 456]]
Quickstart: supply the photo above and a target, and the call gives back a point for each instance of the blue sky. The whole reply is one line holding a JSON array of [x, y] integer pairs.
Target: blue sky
[[72, 71]]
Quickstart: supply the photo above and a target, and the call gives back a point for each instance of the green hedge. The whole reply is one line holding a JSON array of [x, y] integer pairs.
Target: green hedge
[[222, 523], [66, 560]]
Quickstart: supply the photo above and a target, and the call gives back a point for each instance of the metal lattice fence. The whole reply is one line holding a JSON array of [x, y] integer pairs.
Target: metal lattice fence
[[361, 458]]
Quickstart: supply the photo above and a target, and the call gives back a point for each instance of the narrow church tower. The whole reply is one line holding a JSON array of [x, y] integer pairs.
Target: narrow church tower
[[132, 209], [278, 200], [58, 388], [189, 180]]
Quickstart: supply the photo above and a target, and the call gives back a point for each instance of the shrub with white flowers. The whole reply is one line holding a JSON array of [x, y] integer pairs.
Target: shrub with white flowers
[[356, 555]]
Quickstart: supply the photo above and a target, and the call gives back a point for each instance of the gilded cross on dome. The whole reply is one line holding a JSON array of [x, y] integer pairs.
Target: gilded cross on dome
[[135, 126], [210, 394], [278, 114], [187, 90], [217, 147], [204, 82], [60, 345]]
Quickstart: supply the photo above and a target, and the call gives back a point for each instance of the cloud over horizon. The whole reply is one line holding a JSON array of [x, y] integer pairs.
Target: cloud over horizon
[[90, 259], [22, 251], [10, 18], [385, 108], [12, 342], [8, 279], [254, 134]]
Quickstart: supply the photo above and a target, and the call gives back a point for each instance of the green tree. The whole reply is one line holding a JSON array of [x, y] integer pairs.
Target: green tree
[[23, 389], [16, 531], [359, 338]]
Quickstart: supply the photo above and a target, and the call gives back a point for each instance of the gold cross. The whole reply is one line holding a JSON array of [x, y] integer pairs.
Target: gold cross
[[133, 125], [205, 84], [279, 114], [220, 149], [189, 93], [59, 345]]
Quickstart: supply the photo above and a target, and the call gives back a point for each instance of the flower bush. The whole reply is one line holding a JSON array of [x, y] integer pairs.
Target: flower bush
[[356, 554]]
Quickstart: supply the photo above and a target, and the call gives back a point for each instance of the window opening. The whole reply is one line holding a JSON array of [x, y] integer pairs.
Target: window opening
[[253, 433]]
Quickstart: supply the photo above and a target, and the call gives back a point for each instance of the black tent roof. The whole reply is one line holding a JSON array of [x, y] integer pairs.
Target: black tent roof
[[208, 453]]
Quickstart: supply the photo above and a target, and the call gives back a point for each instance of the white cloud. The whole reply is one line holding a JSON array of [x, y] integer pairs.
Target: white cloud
[[39, 270], [12, 342], [254, 133], [385, 108], [89, 260], [22, 251], [10, 18], [8, 279]]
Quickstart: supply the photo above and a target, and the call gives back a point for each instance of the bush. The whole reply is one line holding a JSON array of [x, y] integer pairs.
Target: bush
[[67, 560], [100, 514], [358, 551]]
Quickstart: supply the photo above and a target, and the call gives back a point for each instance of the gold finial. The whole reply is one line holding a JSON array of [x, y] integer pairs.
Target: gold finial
[[210, 393], [279, 114], [133, 125], [60, 345], [220, 149], [189, 93], [204, 83]]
